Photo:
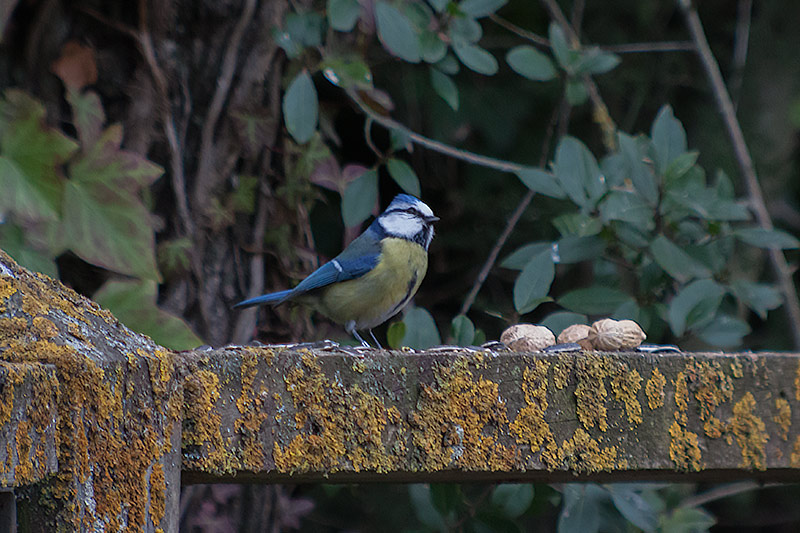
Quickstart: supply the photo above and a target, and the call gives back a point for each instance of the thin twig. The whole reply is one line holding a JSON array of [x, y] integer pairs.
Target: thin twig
[[759, 207], [436, 146], [744, 12], [557, 118], [224, 80], [658, 46], [176, 155], [600, 114], [725, 491], [525, 34]]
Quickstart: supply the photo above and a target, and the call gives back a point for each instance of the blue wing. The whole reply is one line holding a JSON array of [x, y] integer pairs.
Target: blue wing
[[357, 259]]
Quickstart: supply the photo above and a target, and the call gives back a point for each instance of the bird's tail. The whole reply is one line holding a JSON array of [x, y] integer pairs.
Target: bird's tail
[[273, 298]]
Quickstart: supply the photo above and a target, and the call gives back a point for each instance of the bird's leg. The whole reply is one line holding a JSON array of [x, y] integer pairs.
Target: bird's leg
[[378, 344], [350, 328]]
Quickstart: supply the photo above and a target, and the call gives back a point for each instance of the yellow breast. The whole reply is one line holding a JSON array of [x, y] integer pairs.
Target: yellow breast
[[381, 293]]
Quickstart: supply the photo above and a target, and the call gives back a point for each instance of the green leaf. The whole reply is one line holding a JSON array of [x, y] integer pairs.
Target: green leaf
[[534, 282], [676, 262], [633, 236], [87, 115], [475, 58], [577, 224], [760, 297], [424, 509], [595, 300], [558, 43], [445, 497], [574, 249], [360, 198], [595, 61], [105, 222], [523, 255], [580, 512], [628, 207], [445, 87], [463, 331], [14, 243], [541, 181], [402, 173], [481, 8], [767, 238], [133, 302], [669, 138], [628, 311], [694, 306], [634, 507], [464, 30], [576, 92], [724, 331], [449, 65], [305, 28], [558, 321], [432, 48], [29, 158], [680, 166], [395, 334], [530, 63], [343, 14], [687, 520], [578, 173], [347, 72], [421, 331], [640, 173], [513, 499], [396, 33], [706, 203], [300, 107]]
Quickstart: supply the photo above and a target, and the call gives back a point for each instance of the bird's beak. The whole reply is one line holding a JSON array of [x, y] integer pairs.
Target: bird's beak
[[432, 219]]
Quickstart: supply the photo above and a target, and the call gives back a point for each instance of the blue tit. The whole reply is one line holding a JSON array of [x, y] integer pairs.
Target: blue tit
[[374, 277]]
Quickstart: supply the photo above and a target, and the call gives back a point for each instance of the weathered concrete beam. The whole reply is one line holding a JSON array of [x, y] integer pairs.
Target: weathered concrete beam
[[102, 400], [275, 415]]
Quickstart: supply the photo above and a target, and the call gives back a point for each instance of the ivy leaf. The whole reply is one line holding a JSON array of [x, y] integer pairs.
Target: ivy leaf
[[767, 238], [301, 107], [534, 282], [133, 302], [694, 306], [669, 138], [105, 221], [14, 243], [541, 181], [475, 58], [595, 300], [396, 33], [343, 14], [530, 63], [402, 173], [31, 152], [445, 87], [421, 332], [676, 262], [87, 115], [360, 198], [760, 297]]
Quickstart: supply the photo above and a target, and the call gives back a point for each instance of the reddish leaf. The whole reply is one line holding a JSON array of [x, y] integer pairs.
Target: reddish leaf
[[76, 67]]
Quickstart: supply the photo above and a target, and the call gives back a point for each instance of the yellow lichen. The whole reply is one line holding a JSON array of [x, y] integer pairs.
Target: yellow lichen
[[750, 433], [783, 417], [561, 371], [711, 385], [794, 459], [459, 422], [582, 453], [736, 369], [530, 428], [713, 427], [684, 449], [626, 385], [252, 413], [201, 426], [158, 487], [797, 383], [681, 392], [654, 390], [590, 393]]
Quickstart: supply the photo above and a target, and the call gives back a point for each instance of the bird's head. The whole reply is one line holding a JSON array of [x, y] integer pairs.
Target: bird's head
[[408, 218]]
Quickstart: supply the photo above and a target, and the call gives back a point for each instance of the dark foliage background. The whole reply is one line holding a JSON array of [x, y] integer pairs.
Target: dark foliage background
[[164, 158]]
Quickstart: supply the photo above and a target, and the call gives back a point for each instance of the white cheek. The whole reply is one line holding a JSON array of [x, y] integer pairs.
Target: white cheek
[[401, 224]]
